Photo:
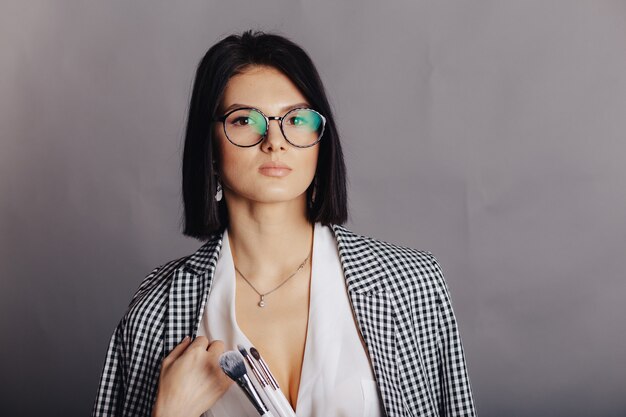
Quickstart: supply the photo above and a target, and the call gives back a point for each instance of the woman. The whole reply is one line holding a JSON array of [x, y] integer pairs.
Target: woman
[[349, 325]]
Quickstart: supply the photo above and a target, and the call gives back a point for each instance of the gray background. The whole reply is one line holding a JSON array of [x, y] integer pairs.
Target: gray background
[[488, 132]]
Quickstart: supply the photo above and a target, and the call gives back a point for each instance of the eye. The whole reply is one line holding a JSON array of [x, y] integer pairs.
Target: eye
[[304, 119], [243, 121], [297, 121]]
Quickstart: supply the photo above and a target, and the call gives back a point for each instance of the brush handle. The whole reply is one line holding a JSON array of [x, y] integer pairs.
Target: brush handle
[[285, 404], [248, 388], [276, 403]]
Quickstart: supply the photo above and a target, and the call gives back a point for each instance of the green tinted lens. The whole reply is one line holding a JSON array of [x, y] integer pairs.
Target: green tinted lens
[[303, 126], [257, 121], [305, 119]]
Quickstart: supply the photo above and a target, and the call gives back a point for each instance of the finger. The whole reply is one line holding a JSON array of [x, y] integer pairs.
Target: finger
[[178, 350], [200, 342], [216, 348]]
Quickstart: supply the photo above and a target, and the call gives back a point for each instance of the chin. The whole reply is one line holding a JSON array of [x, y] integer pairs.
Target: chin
[[270, 193], [277, 198]]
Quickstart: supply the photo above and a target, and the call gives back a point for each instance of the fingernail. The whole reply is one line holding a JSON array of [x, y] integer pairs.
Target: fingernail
[[185, 339]]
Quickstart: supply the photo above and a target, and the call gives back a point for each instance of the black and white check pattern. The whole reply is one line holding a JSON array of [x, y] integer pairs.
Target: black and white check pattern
[[399, 297]]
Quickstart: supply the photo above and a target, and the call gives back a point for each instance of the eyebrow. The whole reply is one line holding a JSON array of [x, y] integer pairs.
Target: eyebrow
[[284, 109]]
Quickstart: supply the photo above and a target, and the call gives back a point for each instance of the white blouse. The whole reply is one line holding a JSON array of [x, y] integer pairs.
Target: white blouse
[[337, 378]]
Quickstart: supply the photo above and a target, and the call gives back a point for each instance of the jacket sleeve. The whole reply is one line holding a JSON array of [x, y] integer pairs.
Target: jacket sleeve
[[119, 392], [111, 388], [455, 394]]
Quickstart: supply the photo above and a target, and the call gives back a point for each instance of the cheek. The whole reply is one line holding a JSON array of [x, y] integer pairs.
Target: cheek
[[233, 163]]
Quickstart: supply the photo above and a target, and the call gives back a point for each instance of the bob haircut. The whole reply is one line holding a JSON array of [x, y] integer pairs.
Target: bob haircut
[[231, 56]]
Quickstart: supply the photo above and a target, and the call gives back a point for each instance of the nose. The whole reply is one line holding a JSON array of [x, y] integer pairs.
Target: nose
[[274, 139]]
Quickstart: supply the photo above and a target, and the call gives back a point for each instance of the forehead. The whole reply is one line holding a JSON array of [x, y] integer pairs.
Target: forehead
[[263, 87]]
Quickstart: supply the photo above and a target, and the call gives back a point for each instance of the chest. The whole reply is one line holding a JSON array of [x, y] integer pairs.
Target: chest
[[279, 329]]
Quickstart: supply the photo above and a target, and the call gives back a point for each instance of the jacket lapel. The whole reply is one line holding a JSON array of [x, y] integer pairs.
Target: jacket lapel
[[371, 303], [189, 290], [382, 306]]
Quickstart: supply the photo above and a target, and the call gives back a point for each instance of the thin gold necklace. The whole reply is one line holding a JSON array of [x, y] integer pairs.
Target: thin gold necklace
[[261, 302]]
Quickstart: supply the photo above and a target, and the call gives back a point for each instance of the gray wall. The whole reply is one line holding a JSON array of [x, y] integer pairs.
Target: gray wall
[[488, 132]]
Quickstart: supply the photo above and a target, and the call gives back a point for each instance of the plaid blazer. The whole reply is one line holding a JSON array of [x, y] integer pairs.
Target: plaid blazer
[[399, 297]]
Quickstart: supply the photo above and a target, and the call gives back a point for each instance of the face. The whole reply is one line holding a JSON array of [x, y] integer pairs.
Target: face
[[241, 170]]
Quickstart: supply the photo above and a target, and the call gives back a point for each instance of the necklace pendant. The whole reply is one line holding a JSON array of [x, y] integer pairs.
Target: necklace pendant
[[261, 303]]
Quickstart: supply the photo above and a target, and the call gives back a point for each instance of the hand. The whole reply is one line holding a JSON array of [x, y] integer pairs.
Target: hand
[[191, 379]]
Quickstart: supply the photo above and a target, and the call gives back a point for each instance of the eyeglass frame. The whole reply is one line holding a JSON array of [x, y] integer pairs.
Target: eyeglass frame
[[267, 121]]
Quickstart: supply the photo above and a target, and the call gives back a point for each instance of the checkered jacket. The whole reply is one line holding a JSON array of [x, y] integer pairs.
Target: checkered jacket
[[399, 298]]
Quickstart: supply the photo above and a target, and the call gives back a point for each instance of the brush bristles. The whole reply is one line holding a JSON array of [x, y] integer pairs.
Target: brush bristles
[[255, 353], [232, 364], [242, 350]]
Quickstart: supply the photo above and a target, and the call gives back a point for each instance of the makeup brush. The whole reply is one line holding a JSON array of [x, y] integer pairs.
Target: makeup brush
[[269, 390], [232, 364], [255, 369], [274, 384]]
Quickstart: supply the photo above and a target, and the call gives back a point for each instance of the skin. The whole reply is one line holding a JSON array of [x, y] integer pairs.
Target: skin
[[269, 237], [191, 380]]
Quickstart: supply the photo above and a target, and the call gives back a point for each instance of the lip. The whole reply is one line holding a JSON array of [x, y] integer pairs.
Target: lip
[[275, 164], [275, 169]]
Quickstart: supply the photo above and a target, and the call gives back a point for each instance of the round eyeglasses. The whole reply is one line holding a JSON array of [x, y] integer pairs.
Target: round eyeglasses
[[247, 126]]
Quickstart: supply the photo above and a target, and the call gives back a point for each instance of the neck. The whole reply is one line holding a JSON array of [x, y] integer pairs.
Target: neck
[[268, 240]]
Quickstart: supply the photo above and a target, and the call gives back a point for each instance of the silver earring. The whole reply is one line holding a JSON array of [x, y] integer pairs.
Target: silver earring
[[218, 194]]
